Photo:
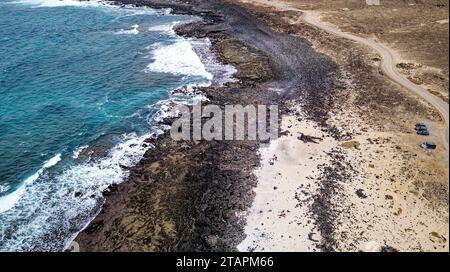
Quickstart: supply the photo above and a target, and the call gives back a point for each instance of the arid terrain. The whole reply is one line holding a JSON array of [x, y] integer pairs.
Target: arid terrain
[[416, 29], [347, 173], [377, 204]]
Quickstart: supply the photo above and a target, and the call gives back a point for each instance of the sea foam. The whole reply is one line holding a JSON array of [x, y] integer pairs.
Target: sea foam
[[74, 195], [168, 28], [60, 3], [52, 205], [133, 31], [8, 201], [127, 10], [178, 58], [77, 152]]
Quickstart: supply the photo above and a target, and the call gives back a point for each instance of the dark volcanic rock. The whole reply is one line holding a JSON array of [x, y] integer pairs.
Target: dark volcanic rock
[[187, 196], [388, 249], [360, 193]]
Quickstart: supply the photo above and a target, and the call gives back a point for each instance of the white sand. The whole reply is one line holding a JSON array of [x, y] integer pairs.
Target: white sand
[[277, 221]]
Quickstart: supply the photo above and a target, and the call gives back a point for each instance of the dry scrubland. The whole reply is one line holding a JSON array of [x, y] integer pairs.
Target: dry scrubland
[[416, 29], [379, 188]]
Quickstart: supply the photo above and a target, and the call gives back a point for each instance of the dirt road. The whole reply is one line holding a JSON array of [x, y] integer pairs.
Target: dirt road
[[388, 59], [387, 66]]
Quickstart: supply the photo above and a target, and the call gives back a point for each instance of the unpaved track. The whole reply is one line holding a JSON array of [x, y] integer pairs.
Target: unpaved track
[[388, 59], [387, 66]]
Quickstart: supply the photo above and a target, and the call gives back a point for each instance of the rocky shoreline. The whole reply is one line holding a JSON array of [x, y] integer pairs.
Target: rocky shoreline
[[195, 196], [188, 196]]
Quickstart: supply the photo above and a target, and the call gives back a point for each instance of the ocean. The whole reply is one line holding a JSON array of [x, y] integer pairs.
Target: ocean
[[82, 85]]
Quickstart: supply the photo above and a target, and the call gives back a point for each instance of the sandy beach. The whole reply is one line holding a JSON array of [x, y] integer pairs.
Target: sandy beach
[[280, 218], [346, 174], [383, 204]]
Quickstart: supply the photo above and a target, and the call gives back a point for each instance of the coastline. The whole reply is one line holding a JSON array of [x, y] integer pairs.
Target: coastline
[[234, 165], [209, 196]]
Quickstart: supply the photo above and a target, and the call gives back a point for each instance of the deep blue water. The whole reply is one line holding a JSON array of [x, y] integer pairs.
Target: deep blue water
[[77, 77]]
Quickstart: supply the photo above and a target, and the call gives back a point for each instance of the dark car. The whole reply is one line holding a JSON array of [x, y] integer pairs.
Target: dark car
[[428, 145], [423, 132], [421, 127]]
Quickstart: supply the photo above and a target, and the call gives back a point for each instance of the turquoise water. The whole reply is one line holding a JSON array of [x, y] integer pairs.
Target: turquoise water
[[79, 86]]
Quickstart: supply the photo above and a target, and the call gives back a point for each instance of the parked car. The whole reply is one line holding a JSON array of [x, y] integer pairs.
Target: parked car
[[428, 145], [421, 127], [423, 132]]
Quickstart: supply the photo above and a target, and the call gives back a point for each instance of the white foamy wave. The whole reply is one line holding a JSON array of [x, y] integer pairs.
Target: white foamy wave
[[33, 177], [60, 204], [222, 73], [4, 188], [75, 195], [108, 170], [168, 29], [60, 3], [125, 10], [77, 152], [52, 162], [178, 58], [133, 31], [7, 202], [186, 95], [130, 10]]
